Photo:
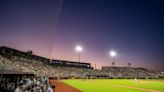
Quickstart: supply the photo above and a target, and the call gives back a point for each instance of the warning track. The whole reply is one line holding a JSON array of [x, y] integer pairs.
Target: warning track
[[62, 87]]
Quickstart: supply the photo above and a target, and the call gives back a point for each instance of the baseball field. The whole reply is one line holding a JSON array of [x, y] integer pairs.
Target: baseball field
[[116, 85]]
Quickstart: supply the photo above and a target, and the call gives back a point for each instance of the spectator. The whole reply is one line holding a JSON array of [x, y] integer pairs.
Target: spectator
[[50, 89], [19, 88]]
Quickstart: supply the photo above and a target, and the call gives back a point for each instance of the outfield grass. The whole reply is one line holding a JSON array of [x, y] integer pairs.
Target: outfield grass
[[117, 85]]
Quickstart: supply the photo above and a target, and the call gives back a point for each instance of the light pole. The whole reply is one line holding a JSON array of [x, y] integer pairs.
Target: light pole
[[129, 64], [113, 54], [79, 49]]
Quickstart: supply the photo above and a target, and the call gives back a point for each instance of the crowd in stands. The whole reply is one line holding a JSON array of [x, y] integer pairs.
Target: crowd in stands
[[43, 71], [12, 59], [34, 85], [129, 72], [46, 70]]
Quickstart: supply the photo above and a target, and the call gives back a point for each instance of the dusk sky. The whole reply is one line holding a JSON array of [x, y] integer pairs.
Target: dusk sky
[[133, 28]]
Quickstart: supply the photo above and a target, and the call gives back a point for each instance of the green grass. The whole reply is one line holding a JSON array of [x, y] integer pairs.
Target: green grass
[[117, 85]]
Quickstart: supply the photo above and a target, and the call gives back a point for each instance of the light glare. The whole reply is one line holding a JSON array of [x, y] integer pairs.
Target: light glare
[[113, 53], [79, 48]]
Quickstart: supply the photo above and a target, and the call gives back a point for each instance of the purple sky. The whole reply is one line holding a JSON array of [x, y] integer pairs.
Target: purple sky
[[134, 29]]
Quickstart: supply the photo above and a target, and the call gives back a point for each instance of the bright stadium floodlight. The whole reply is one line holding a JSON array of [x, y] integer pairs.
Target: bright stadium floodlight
[[79, 49], [113, 54]]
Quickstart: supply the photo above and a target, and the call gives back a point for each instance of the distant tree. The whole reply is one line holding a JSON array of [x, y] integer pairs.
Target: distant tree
[[129, 64]]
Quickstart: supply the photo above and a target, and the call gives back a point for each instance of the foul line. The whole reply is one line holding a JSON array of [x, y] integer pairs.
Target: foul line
[[133, 87]]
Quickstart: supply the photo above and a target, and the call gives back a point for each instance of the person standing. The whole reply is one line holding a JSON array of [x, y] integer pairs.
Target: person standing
[[19, 88], [51, 89]]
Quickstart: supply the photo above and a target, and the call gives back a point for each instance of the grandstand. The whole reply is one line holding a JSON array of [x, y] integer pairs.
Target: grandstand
[[18, 63], [41, 66], [9, 52]]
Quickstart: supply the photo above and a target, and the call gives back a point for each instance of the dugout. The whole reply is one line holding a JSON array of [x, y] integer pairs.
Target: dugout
[[10, 78]]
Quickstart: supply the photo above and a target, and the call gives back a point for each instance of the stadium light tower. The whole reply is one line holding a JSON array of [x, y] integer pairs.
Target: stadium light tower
[[113, 55], [79, 49]]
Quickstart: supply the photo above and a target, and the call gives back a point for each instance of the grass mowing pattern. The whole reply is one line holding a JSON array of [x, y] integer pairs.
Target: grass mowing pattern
[[116, 85]]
